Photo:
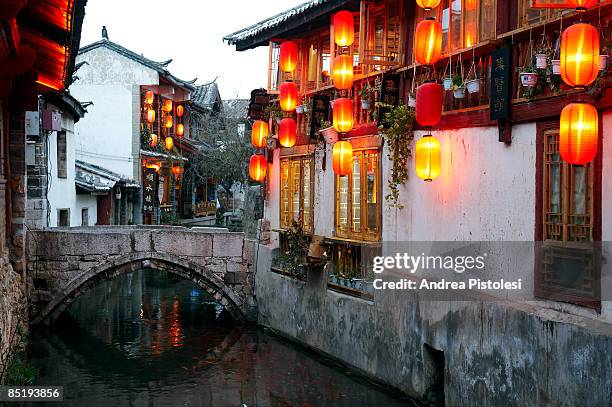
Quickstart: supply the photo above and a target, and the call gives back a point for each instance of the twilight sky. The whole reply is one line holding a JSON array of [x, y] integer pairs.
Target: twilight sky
[[190, 32]]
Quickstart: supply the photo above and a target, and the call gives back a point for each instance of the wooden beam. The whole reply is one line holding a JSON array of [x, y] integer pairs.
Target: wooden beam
[[10, 8]]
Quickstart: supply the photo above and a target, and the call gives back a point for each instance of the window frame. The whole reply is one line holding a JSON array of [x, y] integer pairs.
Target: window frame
[[291, 159]]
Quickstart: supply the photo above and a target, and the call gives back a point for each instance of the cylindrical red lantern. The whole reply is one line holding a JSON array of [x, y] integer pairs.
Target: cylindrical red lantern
[[180, 130], [428, 42], [149, 97], [153, 140], [288, 96], [343, 115], [168, 122], [429, 104], [167, 107], [151, 116], [342, 72], [578, 133], [258, 167], [342, 158], [579, 55], [180, 110], [287, 132], [259, 133], [428, 4], [169, 143], [582, 5], [288, 56], [344, 28]]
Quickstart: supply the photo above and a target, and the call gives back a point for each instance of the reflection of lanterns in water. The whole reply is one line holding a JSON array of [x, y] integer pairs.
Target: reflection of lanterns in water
[[175, 324]]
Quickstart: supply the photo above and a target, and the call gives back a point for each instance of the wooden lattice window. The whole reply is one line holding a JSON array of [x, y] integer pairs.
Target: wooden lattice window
[[297, 192], [381, 36], [528, 14], [358, 209]]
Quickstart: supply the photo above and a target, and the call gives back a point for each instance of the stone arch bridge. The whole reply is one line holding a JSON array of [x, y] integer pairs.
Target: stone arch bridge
[[64, 264]]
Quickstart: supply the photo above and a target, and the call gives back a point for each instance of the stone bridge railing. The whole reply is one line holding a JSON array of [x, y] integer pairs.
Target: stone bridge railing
[[64, 264]]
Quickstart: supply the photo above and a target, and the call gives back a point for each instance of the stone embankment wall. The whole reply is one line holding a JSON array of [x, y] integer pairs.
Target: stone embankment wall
[[12, 312]]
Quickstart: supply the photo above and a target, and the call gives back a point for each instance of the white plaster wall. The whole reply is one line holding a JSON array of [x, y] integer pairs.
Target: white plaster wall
[[105, 135], [91, 203], [272, 198], [606, 210]]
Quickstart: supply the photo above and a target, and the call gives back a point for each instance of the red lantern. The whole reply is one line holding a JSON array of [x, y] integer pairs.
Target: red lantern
[[428, 4], [429, 104], [180, 111], [168, 122], [149, 97], [180, 130], [344, 28], [288, 96], [167, 107], [258, 167], [154, 166], [582, 5], [259, 133], [288, 56], [342, 158], [169, 143], [578, 133], [177, 171], [428, 42], [580, 55], [153, 140], [342, 72], [151, 116], [287, 132], [343, 115]]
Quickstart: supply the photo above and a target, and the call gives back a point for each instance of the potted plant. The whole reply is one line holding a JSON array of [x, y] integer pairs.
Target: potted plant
[[472, 85], [529, 76], [299, 109], [412, 100], [306, 107], [604, 55], [555, 59], [366, 94], [458, 87], [543, 53], [448, 78], [328, 132]]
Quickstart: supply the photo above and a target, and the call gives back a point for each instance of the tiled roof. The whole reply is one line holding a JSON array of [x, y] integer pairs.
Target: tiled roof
[[274, 25], [206, 95], [93, 178], [160, 67], [236, 108]]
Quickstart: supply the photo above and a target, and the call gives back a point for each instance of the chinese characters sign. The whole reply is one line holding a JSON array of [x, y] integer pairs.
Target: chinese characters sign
[[149, 190], [320, 112], [258, 103], [500, 83], [389, 95]]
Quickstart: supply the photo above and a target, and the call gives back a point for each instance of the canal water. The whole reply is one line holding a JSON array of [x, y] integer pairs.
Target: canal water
[[151, 339]]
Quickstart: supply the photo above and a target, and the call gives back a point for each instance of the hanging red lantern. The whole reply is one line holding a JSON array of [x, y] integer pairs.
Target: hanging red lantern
[[168, 122], [151, 116], [167, 107], [259, 133], [580, 55], [154, 166], [427, 4], [428, 42], [258, 167], [288, 96], [344, 28], [578, 133], [343, 115], [288, 56], [287, 132], [180, 110], [342, 72], [582, 5], [427, 158], [177, 170], [180, 130], [153, 140], [342, 158], [429, 104], [149, 97], [169, 143]]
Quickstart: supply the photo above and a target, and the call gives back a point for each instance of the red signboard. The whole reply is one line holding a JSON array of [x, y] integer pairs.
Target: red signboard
[[550, 4]]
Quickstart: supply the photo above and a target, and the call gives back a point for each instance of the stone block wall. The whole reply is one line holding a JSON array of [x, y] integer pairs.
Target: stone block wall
[[13, 312]]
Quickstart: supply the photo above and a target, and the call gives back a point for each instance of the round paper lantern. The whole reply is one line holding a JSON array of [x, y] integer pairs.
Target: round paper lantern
[[177, 171], [257, 167], [180, 130], [428, 4], [427, 158], [343, 115], [151, 116], [428, 42], [149, 97], [578, 133], [344, 28], [287, 132], [582, 5], [153, 140], [429, 104], [288, 96], [579, 55], [168, 122], [342, 158], [259, 133], [167, 107], [180, 111], [169, 143], [288, 56], [342, 72]]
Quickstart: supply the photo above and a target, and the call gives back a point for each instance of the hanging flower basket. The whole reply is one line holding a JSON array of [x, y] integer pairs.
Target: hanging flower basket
[[299, 109], [603, 62], [365, 104], [411, 101], [306, 108], [459, 93], [448, 83], [541, 61], [529, 79], [556, 66], [473, 86], [330, 135]]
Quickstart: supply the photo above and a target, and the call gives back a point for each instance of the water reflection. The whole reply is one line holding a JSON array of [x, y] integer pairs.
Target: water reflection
[[149, 339]]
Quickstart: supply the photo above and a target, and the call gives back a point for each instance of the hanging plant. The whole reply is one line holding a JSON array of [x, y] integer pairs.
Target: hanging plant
[[398, 125]]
